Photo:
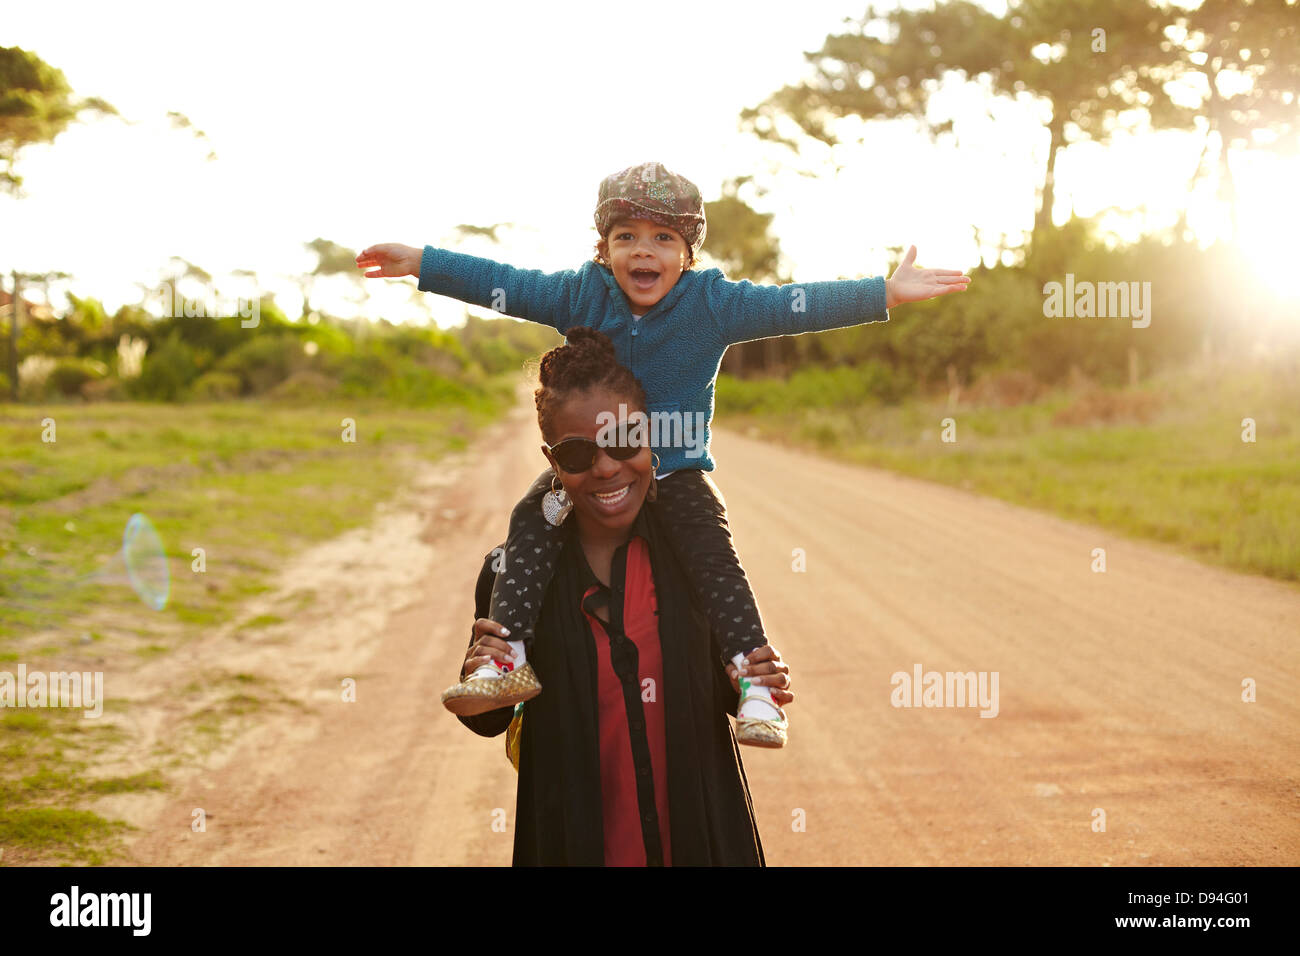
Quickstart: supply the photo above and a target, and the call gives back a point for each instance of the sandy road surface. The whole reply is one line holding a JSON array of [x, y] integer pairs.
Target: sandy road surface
[[1119, 691]]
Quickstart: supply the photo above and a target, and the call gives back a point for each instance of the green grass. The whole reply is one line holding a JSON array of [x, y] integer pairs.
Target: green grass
[[149, 780], [39, 834], [1182, 476], [44, 755], [264, 620], [250, 483], [24, 722]]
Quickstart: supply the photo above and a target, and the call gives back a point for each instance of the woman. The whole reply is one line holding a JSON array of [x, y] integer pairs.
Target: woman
[[627, 757]]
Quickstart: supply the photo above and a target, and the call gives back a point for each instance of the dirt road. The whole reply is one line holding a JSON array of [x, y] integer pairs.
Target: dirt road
[[1119, 692]]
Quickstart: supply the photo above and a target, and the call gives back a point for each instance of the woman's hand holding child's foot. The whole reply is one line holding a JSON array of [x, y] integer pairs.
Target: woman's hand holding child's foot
[[764, 666], [491, 654], [496, 673], [762, 680]]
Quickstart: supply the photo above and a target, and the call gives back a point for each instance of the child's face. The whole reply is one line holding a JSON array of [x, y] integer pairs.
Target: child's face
[[647, 259]]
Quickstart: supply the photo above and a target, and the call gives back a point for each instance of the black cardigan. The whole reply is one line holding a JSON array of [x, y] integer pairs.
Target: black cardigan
[[558, 800]]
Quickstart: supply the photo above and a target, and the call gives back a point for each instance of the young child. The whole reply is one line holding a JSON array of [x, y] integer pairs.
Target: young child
[[670, 324]]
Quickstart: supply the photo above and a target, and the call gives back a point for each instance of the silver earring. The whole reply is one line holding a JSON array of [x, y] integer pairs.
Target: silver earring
[[652, 493], [556, 505]]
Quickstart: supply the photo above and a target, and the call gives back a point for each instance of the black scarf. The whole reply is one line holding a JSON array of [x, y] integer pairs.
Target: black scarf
[[558, 809]]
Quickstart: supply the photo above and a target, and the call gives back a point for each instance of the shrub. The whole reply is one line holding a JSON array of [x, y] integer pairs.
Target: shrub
[[167, 372], [264, 362], [497, 356], [104, 390], [845, 386], [362, 374], [1098, 405], [215, 387], [305, 386], [1005, 389], [883, 382], [71, 374], [34, 370]]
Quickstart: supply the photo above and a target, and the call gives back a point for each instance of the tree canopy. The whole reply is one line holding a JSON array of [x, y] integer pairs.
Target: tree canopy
[[36, 105], [1095, 65]]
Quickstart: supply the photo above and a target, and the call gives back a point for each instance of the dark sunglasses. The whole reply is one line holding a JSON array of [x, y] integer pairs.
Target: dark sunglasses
[[576, 455]]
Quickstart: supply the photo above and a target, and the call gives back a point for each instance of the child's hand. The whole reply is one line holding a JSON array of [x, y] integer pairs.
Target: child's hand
[[766, 667], [390, 259], [910, 284]]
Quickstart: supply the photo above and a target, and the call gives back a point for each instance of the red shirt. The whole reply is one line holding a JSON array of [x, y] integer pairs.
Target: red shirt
[[633, 751]]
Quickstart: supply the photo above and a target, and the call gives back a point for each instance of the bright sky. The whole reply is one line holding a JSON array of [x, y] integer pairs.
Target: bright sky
[[394, 122]]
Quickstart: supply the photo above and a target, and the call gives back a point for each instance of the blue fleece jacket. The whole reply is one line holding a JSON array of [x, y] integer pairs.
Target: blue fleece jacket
[[675, 349]]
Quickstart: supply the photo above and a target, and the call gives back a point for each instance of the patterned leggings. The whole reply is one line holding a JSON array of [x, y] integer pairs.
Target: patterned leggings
[[696, 518]]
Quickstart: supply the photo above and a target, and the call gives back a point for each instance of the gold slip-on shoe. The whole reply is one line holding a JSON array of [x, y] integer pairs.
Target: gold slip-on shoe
[[470, 698], [768, 732]]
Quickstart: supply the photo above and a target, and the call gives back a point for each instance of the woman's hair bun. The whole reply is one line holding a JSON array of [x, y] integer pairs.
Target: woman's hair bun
[[584, 337], [586, 354], [587, 360]]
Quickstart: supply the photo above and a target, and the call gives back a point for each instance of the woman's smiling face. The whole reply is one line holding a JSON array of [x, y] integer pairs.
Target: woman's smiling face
[[647, 259], [608, 495]]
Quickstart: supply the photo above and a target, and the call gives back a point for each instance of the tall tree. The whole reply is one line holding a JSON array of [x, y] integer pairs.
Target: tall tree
[[44, 280], [1242, 59], [180, 268], [740, 241], [331, 259], [181, 121], [465, 230], [36, 105], [1086, 61], [739, 237]]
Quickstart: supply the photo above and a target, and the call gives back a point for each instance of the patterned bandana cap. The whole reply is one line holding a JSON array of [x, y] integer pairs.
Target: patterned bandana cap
[[651, 191]]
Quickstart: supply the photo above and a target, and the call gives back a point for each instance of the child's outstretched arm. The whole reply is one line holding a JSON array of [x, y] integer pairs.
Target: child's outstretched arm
[[744, 311], [548, 298]]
